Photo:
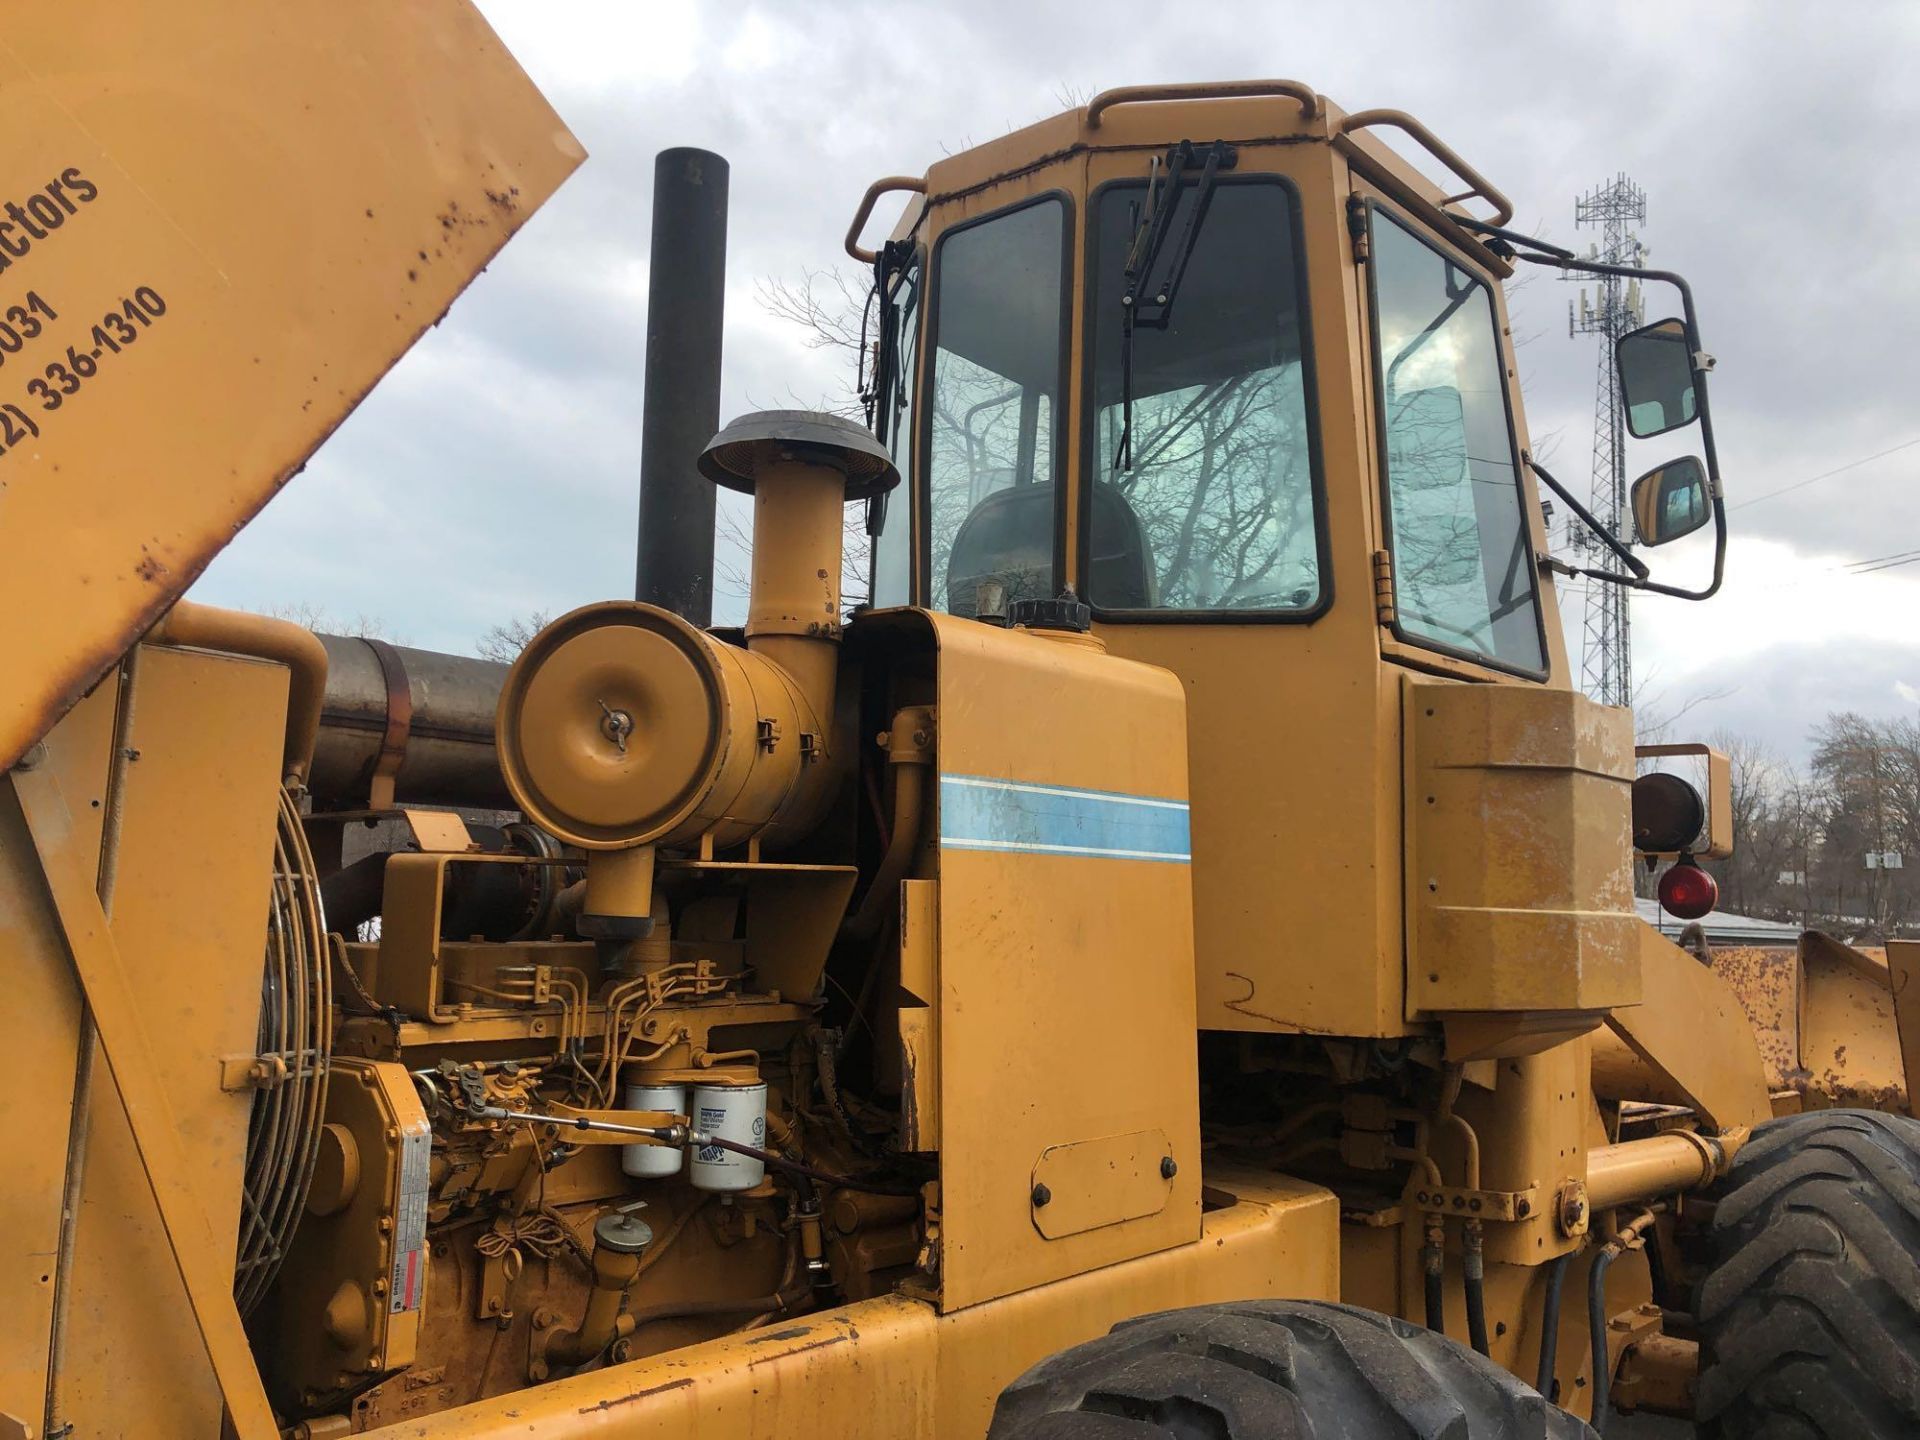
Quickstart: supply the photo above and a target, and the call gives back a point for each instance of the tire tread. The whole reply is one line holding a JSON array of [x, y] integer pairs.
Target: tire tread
[[1810, 1314], [1277, 1370]]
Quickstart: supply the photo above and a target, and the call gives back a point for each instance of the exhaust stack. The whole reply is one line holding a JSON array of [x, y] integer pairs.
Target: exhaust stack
[[686, 308]]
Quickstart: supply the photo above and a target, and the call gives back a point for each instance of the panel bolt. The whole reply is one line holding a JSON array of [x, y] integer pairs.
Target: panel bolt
[[1167, 1168], [1041, 1195]]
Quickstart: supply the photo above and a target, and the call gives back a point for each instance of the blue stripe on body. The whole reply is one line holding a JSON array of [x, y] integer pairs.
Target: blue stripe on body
[[981, 813]]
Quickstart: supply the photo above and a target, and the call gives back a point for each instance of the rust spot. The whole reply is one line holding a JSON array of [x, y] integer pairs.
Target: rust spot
[[823, 1343], [628, 1399], [413, 274]]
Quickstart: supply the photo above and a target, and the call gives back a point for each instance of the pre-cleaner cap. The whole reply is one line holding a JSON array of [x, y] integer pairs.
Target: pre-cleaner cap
[[735, 457]]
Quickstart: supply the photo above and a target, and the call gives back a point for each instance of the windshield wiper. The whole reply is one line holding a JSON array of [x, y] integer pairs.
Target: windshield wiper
[[1142, 301]]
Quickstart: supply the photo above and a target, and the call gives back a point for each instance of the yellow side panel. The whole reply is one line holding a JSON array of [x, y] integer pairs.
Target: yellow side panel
[[221, 221], [34, 1123], [190, 912], [891, 1369], [1065, 973], [43, 1011], [1519, 890]]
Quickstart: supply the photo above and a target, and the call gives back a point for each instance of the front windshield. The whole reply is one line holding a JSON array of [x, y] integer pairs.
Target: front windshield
[[1203, 495], [1463, 571]]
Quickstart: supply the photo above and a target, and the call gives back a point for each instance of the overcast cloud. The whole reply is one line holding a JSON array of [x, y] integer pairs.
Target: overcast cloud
[[493, 473]]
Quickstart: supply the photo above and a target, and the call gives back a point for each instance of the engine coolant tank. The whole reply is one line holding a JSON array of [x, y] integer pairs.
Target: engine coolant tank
[[654, 1162], [732, 1112]]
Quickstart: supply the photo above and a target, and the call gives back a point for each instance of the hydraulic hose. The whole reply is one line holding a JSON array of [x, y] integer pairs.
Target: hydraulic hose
[[1597, 1331], [1433, 1259], [1543, 1379], [1657, 1272], [1474, 1269], [1630, 1236]]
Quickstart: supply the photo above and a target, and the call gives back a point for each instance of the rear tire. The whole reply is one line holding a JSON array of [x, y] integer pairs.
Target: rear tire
[[1810, 1316], [1276, 1370]]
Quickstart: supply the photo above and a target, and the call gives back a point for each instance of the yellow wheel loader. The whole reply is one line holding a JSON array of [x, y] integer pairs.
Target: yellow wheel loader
[[1164, 965]]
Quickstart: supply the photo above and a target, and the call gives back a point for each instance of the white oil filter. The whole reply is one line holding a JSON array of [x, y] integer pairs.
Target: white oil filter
[[650, 1162], [732, 1112]]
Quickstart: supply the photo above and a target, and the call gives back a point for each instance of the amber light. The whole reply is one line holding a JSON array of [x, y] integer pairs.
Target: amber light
[[1687, 891]]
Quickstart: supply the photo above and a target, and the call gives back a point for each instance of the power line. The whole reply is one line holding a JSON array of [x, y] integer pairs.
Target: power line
[[1827, 474], [1887, 562]]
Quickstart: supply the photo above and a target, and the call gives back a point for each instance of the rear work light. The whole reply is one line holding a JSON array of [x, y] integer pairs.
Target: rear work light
[[1687, 891]]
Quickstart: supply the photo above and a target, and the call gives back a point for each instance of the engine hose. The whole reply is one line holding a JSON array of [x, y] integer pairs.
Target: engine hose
[[1474, 1271], [807, 1172], [1597, 1330], [776, 1304], [680, 1135], [1543, 1379]]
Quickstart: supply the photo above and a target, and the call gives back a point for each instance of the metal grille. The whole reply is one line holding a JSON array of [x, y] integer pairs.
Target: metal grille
[[296, 1027]]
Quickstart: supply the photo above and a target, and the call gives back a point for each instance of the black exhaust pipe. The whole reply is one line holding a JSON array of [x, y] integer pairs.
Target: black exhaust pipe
[[686, 306]]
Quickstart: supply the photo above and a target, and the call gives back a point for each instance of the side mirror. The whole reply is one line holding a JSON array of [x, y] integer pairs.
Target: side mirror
[[1656, 378], [1671, 501]]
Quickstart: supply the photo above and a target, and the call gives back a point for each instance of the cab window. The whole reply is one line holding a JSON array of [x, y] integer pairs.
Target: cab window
[[1463, 568], [889, 525], [993, 408], [1203, 498]]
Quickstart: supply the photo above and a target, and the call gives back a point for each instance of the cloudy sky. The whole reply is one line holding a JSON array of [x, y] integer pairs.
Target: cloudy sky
[[493, 473]]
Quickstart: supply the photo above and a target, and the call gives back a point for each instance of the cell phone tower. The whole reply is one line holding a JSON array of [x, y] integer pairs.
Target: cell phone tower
[[1611, 309]]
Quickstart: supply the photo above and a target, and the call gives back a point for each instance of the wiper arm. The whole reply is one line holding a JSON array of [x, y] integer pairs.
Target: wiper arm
[[1158, 312], [1627, 557], [1143, 257]]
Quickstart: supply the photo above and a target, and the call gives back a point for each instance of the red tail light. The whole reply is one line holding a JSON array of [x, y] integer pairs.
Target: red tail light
[[1687, 891]]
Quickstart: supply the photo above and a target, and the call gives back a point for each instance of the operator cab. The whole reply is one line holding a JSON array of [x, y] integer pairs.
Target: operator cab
[[1100, 374], [1201, 472]]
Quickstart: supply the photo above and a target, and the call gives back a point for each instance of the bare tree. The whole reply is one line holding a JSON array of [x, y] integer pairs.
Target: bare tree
[[505, 641], [832, 307], [320, 619]]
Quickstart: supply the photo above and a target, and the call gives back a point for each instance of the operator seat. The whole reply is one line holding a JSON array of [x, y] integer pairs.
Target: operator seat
[[1009, 537]]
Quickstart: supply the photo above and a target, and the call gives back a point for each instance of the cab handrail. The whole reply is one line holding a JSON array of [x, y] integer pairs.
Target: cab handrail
[[1203, 90], [1478, 184], [865, 212]]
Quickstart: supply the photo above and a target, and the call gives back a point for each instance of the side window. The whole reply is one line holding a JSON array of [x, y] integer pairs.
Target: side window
[[999, 360], [1463, 569], [1203, 498], [890, 529]]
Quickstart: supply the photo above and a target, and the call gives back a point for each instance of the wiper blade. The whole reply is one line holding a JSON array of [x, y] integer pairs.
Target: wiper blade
[[1143, 258]]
